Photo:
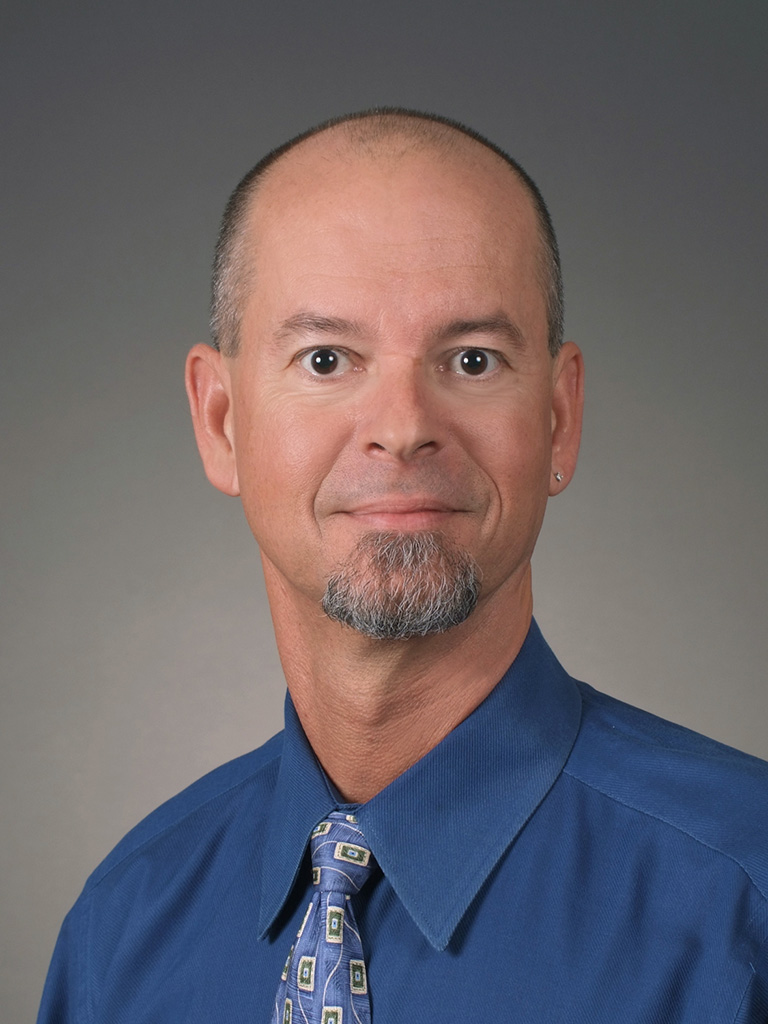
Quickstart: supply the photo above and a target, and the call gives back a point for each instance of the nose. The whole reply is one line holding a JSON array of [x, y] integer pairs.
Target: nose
[[400, 415]]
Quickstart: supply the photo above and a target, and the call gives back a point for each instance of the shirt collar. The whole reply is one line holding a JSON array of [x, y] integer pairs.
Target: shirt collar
[[441, 827]]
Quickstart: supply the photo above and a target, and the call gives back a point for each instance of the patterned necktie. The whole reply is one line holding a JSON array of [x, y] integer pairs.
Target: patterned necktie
[[324, 980]]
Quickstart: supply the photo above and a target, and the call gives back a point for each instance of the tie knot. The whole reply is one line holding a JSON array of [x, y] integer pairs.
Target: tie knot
[[341, 859]]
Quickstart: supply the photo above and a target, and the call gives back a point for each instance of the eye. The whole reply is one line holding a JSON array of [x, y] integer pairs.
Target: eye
[[473, 362], [324, 362]]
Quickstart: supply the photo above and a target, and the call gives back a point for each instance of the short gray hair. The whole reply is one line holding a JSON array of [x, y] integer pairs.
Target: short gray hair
[[364, 128]]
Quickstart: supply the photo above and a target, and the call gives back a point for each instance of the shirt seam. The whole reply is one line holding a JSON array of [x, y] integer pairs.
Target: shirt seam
[[745, 993], [677, 828], [91, 887], [750, 982]]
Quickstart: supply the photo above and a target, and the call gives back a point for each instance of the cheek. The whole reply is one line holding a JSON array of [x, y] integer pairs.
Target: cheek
[[518, 457], [520, 448], [283, 454]]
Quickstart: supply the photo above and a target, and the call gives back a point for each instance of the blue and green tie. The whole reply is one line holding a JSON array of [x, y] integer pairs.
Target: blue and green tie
[[324, 980]]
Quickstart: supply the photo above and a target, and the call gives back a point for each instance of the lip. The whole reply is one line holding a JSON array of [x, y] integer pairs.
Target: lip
[[400, 513], [396, 522], [400, 506]]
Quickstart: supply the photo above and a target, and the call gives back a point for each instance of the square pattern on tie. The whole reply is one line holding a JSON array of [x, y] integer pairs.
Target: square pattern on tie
[[358, 983], [334, 925], [324, 979], [351, 853], [306, 974]]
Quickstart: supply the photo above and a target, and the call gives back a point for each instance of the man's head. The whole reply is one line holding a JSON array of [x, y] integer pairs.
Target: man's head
[[388, 369], [374, 131]]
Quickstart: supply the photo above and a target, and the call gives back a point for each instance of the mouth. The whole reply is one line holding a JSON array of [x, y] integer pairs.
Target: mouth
[[400, 513]]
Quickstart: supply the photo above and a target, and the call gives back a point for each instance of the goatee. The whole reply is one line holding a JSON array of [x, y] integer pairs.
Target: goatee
[[396, 586]]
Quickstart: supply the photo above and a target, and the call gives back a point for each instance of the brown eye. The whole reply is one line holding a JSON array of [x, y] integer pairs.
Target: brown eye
[[474, 361], [323, 360]]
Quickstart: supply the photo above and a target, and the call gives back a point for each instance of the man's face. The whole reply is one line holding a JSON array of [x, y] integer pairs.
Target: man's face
[[393, 372]]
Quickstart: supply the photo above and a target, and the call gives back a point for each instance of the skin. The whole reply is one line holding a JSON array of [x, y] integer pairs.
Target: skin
[[397, 262]]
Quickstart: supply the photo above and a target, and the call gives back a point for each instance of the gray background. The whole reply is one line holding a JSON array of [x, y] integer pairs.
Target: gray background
[[136, 650]]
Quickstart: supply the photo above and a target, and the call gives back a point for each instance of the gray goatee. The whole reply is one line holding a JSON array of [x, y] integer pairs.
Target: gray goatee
[[401, 585]]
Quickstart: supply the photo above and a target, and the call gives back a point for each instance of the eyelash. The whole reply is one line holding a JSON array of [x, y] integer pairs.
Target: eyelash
[[308, 353], [494, 358]]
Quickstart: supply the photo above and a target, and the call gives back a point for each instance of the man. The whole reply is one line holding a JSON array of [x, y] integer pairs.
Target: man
[[390, 397]]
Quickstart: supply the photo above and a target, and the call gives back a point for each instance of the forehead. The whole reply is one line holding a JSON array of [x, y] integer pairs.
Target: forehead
[[392, 186], [393, 217]]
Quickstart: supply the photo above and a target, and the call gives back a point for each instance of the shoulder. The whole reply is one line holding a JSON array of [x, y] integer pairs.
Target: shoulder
[[206, 806], [166, 876], [716, 795]]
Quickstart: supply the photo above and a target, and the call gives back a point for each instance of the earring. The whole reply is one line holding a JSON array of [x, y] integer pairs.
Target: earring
[[559, 477]]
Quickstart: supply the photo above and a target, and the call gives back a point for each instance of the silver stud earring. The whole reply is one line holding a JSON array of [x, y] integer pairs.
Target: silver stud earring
[[559, 477]]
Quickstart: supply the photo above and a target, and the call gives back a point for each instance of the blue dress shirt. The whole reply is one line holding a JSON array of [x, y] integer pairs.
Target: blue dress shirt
[[559, 857]]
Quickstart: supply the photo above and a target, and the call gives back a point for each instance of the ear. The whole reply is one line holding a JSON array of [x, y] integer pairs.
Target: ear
[[567, 408], [209, 390]]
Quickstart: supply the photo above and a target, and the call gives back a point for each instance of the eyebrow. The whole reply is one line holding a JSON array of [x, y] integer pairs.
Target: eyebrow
[[498, 324], [311, 323]]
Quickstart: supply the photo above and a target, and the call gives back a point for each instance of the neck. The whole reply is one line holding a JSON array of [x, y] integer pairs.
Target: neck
[[392, 701]]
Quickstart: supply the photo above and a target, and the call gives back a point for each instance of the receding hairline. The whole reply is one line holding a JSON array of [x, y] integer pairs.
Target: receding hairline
[[382, 133]]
